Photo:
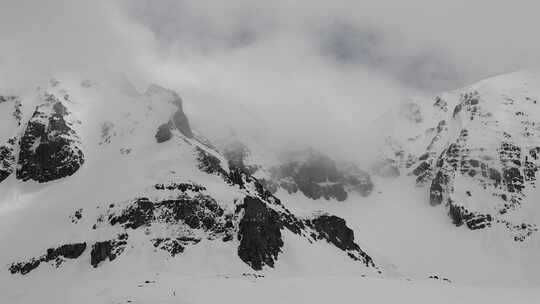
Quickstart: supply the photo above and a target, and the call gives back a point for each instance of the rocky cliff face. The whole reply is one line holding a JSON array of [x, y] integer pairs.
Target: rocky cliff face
[[44, 148], [476, 152], [49, 147]]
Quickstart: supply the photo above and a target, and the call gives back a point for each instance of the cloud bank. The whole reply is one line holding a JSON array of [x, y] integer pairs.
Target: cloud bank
[[281, 72]]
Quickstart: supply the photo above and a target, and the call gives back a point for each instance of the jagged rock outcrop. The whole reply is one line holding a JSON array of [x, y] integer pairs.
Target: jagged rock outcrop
[[334, 230], [58, 255], [109, 249], [259, 234], [50, 147]]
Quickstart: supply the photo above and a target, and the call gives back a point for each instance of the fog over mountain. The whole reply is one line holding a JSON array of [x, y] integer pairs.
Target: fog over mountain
[[341, 63], [281, 151]]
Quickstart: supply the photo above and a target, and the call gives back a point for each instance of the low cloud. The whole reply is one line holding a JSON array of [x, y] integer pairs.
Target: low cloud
[[279, 72]]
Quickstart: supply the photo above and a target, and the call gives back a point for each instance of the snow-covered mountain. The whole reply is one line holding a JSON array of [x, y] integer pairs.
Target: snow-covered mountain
[[109, 195], [477, 150]]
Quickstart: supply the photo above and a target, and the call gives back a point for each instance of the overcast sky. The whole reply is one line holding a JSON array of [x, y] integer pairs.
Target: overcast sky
[[320, 70]]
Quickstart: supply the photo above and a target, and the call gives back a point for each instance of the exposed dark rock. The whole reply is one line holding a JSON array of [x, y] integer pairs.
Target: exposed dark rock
[[209, 163], [508, 185], [7, 160], [67, 251], [181, 122], [178, 120], [100, 252], [236, 177], [436, 277], [461, 216], [164, 133], [174, 246], [334, 230], [259, 234], [24, 267], [316, 176], [140, 213], [423, 171], [109, 249], [181, 186], [424, 166], [436, 189], [197, 211], [513, 179], [193, 211], [49, 148], [76, 216], [441, 104], [457, 109]]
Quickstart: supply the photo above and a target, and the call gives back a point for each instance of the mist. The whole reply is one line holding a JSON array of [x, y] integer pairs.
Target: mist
[[282, 73]]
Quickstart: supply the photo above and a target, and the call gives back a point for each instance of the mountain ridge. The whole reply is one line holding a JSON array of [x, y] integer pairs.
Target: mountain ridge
[[147, 195]]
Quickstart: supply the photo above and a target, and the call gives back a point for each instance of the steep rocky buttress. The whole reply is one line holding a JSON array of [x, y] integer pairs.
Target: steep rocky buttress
[[49, 147], [477, 153]]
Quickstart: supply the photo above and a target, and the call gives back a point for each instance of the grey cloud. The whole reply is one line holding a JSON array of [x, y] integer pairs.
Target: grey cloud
[[187, 26], [428, 69], [44, 38], [316, 70]]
